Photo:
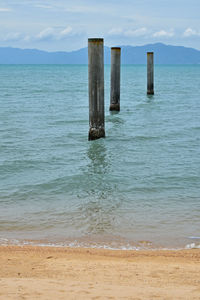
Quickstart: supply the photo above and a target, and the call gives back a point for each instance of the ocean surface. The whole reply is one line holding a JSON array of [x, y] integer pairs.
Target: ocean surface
[[137, 188]]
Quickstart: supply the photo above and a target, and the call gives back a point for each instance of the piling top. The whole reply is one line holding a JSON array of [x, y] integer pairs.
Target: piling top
[[149, 52], [116, 48], [95, 40]]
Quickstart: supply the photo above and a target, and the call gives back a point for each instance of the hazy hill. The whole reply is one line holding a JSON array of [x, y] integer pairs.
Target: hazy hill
[[164, 54]]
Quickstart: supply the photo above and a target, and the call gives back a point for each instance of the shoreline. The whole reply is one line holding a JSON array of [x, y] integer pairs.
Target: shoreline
[[121, 245], [30, 272]]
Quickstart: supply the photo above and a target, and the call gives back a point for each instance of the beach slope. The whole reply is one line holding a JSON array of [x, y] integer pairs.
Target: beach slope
[[64, 273]]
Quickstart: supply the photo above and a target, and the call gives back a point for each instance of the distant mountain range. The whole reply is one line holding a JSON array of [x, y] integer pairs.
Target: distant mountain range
[[164, 54]]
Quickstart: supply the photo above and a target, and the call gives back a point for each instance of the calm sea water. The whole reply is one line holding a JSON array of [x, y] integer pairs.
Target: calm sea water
[[138, 187]]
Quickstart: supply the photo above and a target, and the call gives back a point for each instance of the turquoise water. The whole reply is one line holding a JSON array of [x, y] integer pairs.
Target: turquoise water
[[137, 188]]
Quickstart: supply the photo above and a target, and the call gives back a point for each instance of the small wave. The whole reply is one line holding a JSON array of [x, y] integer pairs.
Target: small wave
[[67, 244], [145, 138], [193, 246], [115, 120], [92, 245]]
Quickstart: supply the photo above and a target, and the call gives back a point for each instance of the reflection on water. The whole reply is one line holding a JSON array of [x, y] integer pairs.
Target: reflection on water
[[98, 216], [115, 119], [100, 204], [98, 158]]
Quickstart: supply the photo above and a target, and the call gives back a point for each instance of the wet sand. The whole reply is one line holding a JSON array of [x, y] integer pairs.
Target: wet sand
[[68, 273]]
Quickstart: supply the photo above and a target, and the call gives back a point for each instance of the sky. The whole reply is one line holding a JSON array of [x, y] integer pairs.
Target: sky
[[63, 25]]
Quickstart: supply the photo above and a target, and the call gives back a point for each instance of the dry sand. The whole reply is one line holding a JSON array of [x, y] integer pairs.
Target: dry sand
[[63, 273]]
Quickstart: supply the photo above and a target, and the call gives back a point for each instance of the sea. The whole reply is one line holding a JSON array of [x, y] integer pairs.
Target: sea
[[138, 188]]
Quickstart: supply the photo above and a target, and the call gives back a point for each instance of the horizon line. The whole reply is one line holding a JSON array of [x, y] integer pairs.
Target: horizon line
[[105, 46]]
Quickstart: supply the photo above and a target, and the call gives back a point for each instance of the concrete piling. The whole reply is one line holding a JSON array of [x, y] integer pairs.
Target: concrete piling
[[150, 73], [115, 79], [96, 88]]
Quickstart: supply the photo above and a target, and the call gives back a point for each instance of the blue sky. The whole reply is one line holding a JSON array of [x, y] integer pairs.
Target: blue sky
[[66, 25]]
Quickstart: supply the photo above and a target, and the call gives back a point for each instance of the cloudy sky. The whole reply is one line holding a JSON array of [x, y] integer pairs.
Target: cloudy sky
[[65, 25]]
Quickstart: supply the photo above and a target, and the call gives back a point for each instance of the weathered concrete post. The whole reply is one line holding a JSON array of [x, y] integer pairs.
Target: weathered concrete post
[[150, 74], [96, 88], [115, 78]]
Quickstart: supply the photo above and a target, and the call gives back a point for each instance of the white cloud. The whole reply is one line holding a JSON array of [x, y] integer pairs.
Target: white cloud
[[65, 7], [12, 37], [65, 32], [46, 34], [138, 32], [191, 32], [115, 31], [2, 9], [43, 6], [55, 34], [27, 38], [128, 33], [163, 33], [82, 9]]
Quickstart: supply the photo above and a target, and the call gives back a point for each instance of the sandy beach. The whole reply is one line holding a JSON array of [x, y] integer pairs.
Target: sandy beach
[[65, 273]]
